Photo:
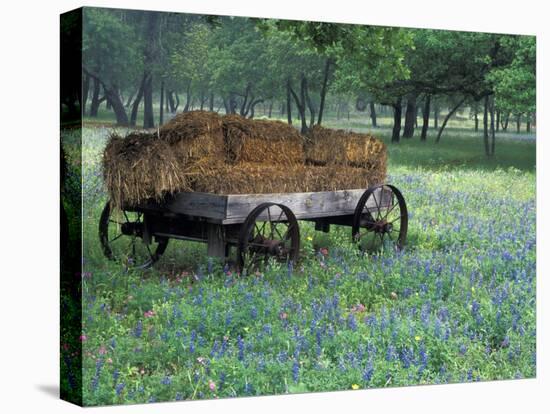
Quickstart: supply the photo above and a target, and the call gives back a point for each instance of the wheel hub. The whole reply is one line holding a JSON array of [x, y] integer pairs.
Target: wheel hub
[[132, 229]]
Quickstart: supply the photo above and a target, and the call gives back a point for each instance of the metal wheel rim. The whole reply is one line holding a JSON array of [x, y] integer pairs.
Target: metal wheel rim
[[110, 234], [282, 227], [376, 229]]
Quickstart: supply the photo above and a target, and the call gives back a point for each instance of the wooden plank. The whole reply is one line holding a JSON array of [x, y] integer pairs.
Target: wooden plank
[[216, 240], [303, 205], [211, 206]]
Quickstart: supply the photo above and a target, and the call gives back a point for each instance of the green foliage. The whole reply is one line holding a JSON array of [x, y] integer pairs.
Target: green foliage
[[515, 84], [111, 46]]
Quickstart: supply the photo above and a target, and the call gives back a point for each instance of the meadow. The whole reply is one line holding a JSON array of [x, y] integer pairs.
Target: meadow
[[457, 305]]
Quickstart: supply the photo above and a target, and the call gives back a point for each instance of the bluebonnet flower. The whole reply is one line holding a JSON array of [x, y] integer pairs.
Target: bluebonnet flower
[[166, 380], [192, 339], [115, 375], [179, 396], [98, 366], [423, 358], [295, 370], [351, 323], [390, 353], [139, 329], [240, 345], [119, 387], [368, 372], [406, 356], [463, 349], [221, 383], [476, 311]]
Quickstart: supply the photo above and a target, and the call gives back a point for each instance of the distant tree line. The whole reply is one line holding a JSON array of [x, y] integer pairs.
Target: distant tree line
[[189, 61]]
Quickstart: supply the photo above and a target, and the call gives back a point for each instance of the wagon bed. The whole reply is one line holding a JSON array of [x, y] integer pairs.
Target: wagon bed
[[236, 220]]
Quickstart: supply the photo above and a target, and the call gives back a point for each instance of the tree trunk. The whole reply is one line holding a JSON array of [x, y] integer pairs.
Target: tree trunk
[[476, 119], [137, 101], [301, 103], [187, 98], [161, 115], [497, 122], [436, 116], [372, 114], [94, 105], [270, 110], [113, 96], [85, 92], [328, 62], [528, 125], [396, 132], [148, 116], [492, 114], [485, 126], [288, 102], [177, 101], [150, 53], [310, 105], [211, 106], [451, 112], [410, 116], [425, 118], [505, 122], [518, 123]]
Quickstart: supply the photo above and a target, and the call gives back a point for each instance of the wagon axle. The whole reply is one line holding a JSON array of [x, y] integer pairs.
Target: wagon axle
[[132, 229]]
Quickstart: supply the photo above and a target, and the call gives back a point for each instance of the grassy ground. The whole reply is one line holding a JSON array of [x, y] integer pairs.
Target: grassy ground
[[457, 305]]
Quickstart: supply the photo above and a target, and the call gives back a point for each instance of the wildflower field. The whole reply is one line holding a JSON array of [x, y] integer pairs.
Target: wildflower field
[[457, 305]]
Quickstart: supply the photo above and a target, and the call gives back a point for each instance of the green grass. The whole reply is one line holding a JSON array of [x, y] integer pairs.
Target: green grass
[[457, 305]]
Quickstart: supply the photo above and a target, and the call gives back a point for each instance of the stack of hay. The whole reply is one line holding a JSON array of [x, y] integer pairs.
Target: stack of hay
[[328, 147], [203, 151]]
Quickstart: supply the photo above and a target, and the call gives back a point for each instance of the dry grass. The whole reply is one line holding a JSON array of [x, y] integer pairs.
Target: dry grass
[[269, 142], [258, 178], [203, 151], [330, 146]]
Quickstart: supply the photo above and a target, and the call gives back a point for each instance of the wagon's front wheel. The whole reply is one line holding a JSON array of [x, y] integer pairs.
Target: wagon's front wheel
[[121, 234], [381, 219], [270, 230]]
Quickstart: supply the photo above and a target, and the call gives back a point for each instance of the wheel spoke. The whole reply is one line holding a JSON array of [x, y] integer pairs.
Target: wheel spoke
[[389, 211], [117, 237], [398, 218]]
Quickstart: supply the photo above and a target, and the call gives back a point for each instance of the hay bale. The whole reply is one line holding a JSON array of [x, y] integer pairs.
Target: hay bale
[[141, 166], [195, 135], [271, 142], [329, 146], [257, 178]]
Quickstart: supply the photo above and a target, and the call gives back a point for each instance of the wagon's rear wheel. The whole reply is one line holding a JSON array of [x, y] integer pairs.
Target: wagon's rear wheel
[[121, 234], [381, 219], [270, 230]]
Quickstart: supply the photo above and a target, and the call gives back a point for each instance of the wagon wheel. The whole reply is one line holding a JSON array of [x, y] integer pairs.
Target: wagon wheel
[[269, 230], [381, 219], [121, 236]]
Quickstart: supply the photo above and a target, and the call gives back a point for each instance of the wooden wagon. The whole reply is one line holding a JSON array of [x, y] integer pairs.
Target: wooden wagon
[[258, 226]]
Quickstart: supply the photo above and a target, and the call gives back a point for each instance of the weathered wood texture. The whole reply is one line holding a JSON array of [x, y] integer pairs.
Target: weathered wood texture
[[234, 208]]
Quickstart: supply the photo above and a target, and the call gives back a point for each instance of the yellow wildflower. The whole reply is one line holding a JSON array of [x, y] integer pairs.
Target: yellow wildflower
[[355, 387], [417, 338]]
